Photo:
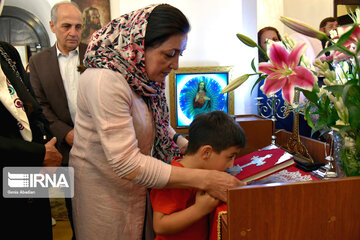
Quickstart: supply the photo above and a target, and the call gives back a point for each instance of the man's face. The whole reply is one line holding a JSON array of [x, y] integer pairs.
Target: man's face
[[95, 19], [67, 28], [329, 26]]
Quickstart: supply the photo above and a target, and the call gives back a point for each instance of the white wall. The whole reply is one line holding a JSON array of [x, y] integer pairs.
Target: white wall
[[308, 11], [212, 40], [268, 12]]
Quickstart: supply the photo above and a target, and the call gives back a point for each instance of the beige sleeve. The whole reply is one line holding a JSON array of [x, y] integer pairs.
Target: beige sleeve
[[109, 100]]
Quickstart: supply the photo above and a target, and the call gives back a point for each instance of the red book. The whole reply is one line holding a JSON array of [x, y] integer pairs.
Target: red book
[[261, 163]]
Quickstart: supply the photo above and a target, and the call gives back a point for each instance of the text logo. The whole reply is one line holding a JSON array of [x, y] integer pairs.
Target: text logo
[[38, 182]]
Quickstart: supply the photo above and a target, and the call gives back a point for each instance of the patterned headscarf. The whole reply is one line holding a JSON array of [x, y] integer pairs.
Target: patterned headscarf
[[119, 46]]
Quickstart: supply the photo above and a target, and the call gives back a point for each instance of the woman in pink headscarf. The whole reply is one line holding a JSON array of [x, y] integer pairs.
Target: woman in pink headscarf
[[123, 140]]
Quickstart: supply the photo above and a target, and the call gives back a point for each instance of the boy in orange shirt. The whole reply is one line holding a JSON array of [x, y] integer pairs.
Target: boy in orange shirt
[[215, 140]]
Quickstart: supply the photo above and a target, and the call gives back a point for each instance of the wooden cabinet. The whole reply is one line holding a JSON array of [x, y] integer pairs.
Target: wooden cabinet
[[324, 209], [327, 209], [258, 131], [316, 148]]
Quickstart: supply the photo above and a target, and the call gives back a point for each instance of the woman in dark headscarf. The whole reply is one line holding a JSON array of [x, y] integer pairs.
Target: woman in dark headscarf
[[123, 140]]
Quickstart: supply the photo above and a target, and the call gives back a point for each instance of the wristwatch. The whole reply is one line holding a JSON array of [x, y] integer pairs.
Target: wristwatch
[[175, 137]]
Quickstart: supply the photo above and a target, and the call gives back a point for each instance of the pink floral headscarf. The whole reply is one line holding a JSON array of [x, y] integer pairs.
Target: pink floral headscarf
[[119, 46]]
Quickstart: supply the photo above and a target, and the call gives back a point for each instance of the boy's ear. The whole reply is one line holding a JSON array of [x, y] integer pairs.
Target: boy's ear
[[205, 152]]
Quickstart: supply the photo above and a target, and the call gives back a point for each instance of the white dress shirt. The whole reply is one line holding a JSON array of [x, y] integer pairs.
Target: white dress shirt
[[70, 75]]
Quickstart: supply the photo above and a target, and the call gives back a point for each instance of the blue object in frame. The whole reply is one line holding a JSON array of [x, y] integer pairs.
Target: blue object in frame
[[187, 90]]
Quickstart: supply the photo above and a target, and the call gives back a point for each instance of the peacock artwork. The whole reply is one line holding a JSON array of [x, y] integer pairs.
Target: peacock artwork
[[200, 93]]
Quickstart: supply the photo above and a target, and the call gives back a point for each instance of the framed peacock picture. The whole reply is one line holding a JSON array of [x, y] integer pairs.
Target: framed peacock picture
[[196, 90]]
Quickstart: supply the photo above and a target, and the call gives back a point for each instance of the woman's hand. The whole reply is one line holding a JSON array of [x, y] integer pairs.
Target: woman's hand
[[214, 182], [69, 138], [219, 182]]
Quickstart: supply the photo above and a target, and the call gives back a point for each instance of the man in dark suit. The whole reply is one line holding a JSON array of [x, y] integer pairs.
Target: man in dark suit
[[24, 218], [54, 76]]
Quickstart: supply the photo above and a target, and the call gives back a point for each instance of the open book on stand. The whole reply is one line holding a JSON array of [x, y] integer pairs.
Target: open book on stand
[[261, 163]]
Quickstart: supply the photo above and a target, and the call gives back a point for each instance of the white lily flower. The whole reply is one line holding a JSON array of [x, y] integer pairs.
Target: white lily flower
[[332, 98], [349, 143], [327, 82], [322, 91]]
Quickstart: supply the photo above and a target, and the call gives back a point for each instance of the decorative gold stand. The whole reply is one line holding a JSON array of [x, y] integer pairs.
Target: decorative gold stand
[[294, 145], [270, 110]]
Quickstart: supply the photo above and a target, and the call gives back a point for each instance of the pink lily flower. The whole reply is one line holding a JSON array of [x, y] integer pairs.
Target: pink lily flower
[[284, 73], [354, 37], [350, 43]]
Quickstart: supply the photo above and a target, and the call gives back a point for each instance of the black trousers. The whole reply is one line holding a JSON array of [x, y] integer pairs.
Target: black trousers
[[26, 218]]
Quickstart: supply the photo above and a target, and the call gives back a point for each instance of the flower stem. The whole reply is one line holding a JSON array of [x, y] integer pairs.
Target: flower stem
[[267, 57]]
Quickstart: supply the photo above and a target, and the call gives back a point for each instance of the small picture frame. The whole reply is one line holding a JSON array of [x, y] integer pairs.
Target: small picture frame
[[95, 15], [195, 90]]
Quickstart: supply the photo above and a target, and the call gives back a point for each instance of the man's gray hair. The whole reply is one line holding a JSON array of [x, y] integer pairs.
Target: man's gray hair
[[57, 5]]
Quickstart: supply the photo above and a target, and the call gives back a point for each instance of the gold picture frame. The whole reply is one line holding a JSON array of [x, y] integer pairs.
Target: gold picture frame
[[342, 8], [95, 15], [184, 88]]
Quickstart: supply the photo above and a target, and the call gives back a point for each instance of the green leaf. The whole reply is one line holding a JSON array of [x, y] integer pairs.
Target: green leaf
[[336, 47], [310, 95], [316, 88], [342, 128], [246, 40], [308, 117], [320, 124], [332, 118], [261, 77], [336, 89], [328, 49], [354, 117], [357, 141], [351, 92], [329, 106], [358, 47], [343, 38], [253, 65]]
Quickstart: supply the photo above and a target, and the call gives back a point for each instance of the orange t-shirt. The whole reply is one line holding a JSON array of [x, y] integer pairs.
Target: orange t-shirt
[[173, 200]]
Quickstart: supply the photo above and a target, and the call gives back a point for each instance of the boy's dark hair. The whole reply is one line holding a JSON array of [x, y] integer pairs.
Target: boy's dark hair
[[163, 22], [216, 129]]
